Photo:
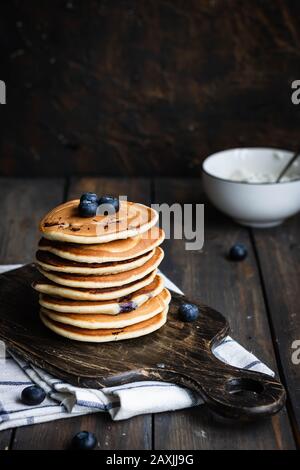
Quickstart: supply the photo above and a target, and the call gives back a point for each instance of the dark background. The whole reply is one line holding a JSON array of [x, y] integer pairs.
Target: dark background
[[145, 87]]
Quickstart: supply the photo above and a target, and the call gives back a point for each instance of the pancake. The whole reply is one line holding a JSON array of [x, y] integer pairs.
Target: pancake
[[147, 310], [108, 280], [112, 307], [48, 287], [117, 250], [106, 335], [51, 262], [63, 223]]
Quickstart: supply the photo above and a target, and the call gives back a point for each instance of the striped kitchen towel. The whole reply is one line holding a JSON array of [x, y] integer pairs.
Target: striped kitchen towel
[[121, 402]]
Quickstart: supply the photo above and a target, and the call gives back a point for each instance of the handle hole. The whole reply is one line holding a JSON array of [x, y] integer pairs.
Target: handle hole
[[244, 386]]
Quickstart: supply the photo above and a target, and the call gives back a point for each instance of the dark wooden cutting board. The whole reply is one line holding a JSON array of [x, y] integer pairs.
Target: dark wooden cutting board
[[179, 352]]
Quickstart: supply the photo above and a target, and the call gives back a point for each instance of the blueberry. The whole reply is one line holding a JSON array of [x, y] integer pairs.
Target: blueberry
[[92, 197], [127, 307], [87, 208], [238, 252], [108, 204], [188, 312], [33, 395], [84, 440]]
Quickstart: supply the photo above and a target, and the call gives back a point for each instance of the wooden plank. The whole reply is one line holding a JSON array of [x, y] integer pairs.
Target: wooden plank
[[234, 289], [117, 95], [57, 435], [5, 438], [22, 203], [278, 252]]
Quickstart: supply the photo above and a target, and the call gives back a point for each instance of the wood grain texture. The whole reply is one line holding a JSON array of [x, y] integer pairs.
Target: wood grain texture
[[57, 435], [278, 253], [145, 87], [234, 289], [22, 204], [5, 438]]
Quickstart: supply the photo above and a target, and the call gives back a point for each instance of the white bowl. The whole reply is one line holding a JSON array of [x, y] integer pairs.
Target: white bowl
[[255, 204]]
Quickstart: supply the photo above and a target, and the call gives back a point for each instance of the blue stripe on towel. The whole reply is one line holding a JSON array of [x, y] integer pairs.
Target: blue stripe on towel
[[252, 364], [100, 406], [144, 385], [2, 382]]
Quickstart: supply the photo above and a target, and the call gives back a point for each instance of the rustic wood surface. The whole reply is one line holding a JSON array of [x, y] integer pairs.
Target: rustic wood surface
[[216, 281], [143, 87], [234, 289], [282, 299]]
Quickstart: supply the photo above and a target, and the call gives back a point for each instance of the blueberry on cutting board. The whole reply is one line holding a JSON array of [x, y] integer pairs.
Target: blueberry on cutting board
[[84, 440], [238, 252], [33, 395], [188, 312]]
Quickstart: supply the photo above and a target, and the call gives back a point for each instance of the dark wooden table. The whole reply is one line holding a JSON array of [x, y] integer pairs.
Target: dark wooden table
[[259, 296]]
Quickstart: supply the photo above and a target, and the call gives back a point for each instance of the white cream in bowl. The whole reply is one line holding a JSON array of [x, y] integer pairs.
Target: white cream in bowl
[[241, 183], [249, 176]]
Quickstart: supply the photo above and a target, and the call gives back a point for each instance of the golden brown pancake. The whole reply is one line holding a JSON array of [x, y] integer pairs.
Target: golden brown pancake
[[117, 250], [108, 280], [111, 307], [108, 293], [63, 223], [50, 262], [106, 335], [93, 321]]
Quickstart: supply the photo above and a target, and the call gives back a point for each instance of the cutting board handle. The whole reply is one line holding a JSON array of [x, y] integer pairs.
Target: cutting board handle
[[229, 391], [235, 393], [245, 394]]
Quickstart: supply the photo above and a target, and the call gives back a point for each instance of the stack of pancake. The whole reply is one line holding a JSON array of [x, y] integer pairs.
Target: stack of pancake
[[99, 278]]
